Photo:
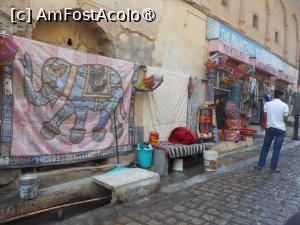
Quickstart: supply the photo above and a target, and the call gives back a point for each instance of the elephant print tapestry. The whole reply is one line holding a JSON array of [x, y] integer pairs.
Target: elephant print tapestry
[[63, 104]]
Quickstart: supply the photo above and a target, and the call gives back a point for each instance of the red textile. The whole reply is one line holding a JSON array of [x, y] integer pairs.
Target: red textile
[[8, 48], [264, 120], [182, 135]]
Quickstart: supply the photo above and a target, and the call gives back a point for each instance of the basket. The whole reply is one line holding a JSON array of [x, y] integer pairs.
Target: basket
[[233, 123], [232, 135], [248, 132], [232, 110]]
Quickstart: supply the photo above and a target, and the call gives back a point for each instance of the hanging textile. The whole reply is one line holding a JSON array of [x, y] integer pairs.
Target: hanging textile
[[193, 103], [166, 107], [253, 91], [63, 102], [245, 103]]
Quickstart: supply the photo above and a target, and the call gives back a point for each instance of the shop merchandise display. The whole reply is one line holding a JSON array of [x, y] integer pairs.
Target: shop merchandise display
[[232, 122], [205, 122]]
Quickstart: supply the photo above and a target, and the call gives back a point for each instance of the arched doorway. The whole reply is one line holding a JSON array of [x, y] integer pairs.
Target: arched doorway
[[83, 36]]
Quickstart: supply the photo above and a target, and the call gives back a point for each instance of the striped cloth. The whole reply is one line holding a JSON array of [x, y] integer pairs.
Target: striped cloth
[[179, 150]]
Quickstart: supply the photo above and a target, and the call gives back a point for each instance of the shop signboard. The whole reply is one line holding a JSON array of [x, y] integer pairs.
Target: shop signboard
[[287, 77], [221, 46], [216, 30], [265, 67]]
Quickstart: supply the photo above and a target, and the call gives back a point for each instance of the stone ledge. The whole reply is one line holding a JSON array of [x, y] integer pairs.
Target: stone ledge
[[229, 146]]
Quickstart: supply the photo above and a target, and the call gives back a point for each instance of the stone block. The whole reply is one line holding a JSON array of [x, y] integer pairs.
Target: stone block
[[129, 184]]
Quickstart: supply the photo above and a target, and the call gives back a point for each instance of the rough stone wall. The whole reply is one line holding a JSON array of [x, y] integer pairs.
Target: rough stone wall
[[20, 29], [136, 41], [85, 36]]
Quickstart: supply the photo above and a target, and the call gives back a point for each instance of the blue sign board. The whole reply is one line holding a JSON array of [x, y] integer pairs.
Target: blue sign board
[[216, 30]]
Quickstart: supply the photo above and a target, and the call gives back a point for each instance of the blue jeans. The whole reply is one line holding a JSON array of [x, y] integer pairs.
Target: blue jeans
[[270, 134]]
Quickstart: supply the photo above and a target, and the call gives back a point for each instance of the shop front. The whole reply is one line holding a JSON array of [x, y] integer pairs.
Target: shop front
[[242, 76]]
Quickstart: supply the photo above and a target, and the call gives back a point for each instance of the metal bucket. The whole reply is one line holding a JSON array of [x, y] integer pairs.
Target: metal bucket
[[28, 186]]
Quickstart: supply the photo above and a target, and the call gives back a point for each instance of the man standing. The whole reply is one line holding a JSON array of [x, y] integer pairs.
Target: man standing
[[277, 112]]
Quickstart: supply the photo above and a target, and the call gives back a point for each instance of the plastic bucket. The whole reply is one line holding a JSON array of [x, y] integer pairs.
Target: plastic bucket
[[211, 160], [144, 155], [28, 186]]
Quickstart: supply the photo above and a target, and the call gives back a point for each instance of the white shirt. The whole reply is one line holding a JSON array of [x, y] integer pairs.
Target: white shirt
[[276, 110]]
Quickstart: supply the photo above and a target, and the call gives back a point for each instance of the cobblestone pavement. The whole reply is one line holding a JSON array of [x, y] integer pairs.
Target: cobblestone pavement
[[241, 197]]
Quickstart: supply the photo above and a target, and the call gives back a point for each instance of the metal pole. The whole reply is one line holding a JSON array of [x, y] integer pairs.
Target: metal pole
[[116, 136], [296, 117]]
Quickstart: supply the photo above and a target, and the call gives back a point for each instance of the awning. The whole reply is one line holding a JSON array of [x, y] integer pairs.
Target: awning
[[219, 46]]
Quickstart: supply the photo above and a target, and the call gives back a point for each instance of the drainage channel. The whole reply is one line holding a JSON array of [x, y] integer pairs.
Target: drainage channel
[[58, 213]]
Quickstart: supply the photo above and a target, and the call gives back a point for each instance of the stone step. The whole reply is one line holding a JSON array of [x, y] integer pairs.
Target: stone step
[[129, 184]]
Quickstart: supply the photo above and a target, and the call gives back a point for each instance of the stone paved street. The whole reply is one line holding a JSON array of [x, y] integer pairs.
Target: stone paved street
[[244, 196]]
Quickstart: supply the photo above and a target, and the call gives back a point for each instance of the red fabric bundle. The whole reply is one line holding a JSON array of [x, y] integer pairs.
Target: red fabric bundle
[[182, 135]]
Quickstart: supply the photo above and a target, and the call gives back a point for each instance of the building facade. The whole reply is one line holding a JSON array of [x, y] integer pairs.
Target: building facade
[[178, 39], [274, 24]]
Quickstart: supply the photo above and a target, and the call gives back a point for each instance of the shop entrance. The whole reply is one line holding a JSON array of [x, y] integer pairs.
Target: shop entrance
[[220, 98]]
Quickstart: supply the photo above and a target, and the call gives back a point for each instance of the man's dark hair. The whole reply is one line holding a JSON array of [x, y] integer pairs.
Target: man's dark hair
[[278, 93]]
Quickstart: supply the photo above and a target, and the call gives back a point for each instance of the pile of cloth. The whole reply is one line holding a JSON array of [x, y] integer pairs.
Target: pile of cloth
[[182, 135]]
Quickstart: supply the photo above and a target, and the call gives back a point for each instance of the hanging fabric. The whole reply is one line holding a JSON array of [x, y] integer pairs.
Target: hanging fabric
[[62, 104]]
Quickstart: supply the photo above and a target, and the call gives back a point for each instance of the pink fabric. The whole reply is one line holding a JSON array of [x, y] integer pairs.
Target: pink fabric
[[28, 118]]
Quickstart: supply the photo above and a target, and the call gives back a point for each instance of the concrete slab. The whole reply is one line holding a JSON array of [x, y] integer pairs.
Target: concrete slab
[[129, 184]]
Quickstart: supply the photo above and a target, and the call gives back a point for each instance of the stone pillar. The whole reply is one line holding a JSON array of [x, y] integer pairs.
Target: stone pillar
[[242, 13], [267, 37], [285, 48]]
